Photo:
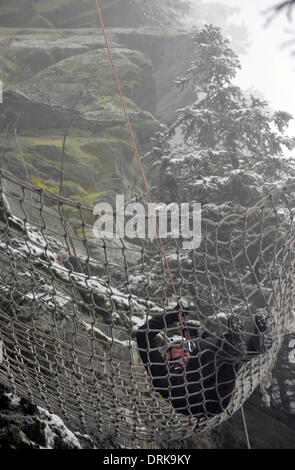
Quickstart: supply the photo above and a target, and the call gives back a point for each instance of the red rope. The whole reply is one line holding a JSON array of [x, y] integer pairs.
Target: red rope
[[136, 149]]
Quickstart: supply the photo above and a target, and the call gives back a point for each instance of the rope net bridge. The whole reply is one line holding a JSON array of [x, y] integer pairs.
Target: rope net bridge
[[71, 305]]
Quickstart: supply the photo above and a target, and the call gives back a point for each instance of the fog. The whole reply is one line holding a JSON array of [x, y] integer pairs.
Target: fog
[[268, 66]]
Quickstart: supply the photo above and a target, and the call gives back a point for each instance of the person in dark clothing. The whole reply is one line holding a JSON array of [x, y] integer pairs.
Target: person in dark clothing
[[201, 382]]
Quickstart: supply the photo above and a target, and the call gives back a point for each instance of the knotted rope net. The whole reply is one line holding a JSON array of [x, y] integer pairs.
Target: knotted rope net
[[70, 306]]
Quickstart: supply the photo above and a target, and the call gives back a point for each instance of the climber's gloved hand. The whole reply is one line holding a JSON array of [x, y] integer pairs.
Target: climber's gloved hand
[[174, 315], [180, 308]]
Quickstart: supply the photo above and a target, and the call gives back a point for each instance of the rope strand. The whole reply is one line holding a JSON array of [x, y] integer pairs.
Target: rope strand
[[245, 428], [137, 155]]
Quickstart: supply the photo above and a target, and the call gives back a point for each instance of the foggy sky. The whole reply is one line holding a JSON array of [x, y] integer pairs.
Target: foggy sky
[[267, 66]]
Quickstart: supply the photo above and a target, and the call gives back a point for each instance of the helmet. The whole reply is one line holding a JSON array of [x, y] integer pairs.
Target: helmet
[[176, 340]]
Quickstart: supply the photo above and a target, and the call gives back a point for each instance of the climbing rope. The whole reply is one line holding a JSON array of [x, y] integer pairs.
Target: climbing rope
[[138, 158], [245, 428], [68, 322]]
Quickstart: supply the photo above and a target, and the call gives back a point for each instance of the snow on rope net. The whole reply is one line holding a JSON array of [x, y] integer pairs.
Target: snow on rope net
[[71, 304]]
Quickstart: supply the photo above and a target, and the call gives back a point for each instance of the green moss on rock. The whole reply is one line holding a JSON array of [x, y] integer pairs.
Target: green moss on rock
[[93, 166], [90, 77]]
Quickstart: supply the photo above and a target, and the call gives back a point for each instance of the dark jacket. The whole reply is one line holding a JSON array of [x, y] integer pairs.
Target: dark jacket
[[202, 385]]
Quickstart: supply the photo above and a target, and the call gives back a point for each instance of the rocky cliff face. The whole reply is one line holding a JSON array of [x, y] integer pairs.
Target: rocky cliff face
[[62, 111], [81, 14], [25, 426], [62, 114]]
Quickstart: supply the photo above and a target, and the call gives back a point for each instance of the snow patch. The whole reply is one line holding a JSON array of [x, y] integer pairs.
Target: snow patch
[[55, 428], [14, 401]]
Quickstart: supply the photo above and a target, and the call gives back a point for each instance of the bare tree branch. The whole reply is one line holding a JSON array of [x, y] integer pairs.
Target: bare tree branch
[[274, 11], [287, 6]]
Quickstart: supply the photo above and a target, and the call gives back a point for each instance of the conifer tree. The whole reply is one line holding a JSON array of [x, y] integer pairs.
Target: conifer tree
[[223, 132]]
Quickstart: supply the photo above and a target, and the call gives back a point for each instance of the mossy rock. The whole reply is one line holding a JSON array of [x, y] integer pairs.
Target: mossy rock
[[70, 114], [96, 147], [24, 53], [86, 82], [92, 166], [40, 13], [83, 13], [17, 65]]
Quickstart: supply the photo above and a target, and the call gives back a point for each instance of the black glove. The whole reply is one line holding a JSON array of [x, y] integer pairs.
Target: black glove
[[174, 316]]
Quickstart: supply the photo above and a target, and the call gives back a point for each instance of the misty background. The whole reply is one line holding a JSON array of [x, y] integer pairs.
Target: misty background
[[268, 62]]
